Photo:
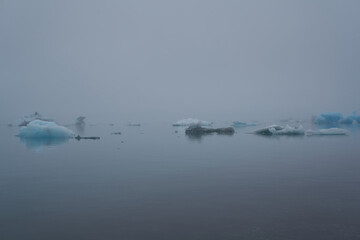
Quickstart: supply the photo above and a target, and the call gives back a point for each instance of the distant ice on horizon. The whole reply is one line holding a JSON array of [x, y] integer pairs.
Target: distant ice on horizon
[[191, 121]]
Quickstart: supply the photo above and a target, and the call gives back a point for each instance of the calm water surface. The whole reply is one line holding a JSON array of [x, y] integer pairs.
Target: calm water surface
[[153, 183]]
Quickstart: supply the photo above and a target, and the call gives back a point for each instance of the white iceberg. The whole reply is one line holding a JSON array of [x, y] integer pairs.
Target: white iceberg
[[44, 129], [279, 130], [191, 121], [329, 131]]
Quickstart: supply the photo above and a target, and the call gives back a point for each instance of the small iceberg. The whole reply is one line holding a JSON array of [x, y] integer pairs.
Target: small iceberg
[[198, 130], [239, 124], [329, 131], [80, 121], [279, 130], [191, 121], [44, 129], [336, 118]]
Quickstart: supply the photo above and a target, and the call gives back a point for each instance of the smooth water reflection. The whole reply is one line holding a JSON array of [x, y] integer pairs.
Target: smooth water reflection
[[39, 144], [152, 182]]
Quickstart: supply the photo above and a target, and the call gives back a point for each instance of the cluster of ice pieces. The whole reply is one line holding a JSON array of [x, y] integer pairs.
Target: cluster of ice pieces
[[288, 130], [191, 121], [44, 129], [279, 130], [335, 117]]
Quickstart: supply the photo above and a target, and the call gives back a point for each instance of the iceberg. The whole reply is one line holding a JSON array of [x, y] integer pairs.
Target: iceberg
[[279, 130], [329, 131], [336, 118], [80, 121], [329, 117], [243, 124], [190, 122], [44, 129], [351, 119]]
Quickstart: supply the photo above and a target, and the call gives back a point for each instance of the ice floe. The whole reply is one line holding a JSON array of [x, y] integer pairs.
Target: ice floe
[[329, 131]]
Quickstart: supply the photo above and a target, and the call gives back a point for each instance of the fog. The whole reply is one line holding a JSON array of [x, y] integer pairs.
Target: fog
[[167, 60]]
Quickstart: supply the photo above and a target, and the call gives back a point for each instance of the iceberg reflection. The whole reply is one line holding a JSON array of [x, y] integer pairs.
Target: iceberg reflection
[[39, 144]]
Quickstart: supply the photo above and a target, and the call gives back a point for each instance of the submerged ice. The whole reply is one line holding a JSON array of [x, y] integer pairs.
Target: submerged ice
[[44, 129], [192, 121]]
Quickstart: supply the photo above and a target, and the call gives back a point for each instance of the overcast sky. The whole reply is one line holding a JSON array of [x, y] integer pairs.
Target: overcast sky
[[214, 60]]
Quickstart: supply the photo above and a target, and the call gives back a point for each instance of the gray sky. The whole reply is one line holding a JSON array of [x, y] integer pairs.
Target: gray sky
[[215, 60]]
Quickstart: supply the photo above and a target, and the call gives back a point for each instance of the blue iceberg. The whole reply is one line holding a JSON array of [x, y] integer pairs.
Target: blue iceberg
[[44, 129], [336, 118], [329, 117], [351, 119]]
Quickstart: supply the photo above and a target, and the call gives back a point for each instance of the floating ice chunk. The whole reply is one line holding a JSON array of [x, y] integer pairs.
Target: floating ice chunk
[[80, 120], [279, 130], [192, 121], [243, 124], [45, 129], [288, 130], [329, 131], [270, 130]]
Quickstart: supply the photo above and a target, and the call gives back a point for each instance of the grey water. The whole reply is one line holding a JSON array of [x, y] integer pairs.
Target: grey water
[[154, 182]]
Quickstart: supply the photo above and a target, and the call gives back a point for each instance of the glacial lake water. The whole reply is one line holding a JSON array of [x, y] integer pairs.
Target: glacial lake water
[[151, 182]]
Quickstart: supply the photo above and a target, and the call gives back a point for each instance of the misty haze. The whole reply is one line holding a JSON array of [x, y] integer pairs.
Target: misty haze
[[179, 119]]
